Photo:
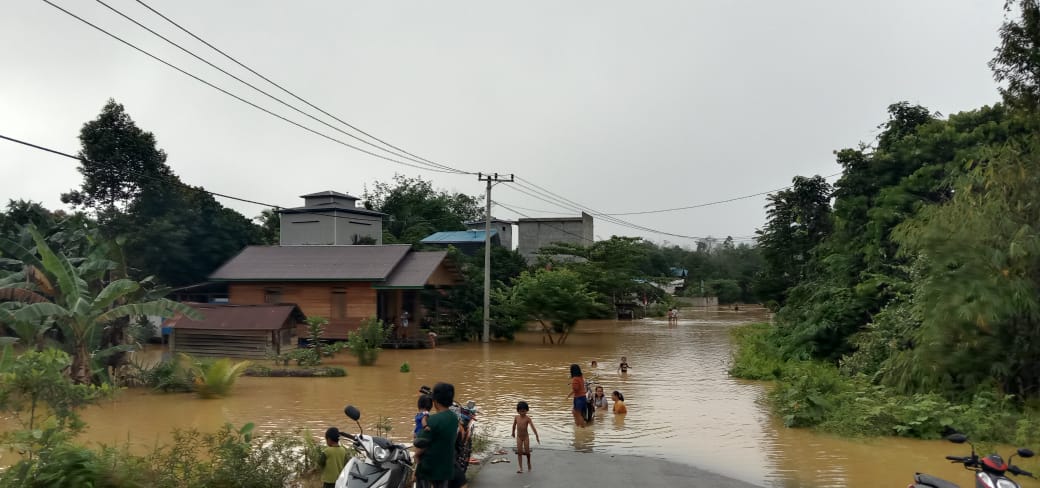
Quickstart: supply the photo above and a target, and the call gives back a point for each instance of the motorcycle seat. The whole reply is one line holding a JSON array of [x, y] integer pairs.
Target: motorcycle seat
[[929, 480]]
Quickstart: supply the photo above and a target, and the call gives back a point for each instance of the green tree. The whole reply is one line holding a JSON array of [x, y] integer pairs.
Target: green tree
[[76, 299], [465, 301], [799, 219], [414, 209], [175, 232], [41, 401], [366, 342], [979, 291], [556, 299], [1017, 61]]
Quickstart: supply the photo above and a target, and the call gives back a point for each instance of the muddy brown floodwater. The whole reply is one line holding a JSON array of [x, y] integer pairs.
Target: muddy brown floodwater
[[682, 405]]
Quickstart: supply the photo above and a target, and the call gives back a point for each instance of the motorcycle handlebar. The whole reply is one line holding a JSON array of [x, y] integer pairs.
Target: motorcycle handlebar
[[1020, 472]]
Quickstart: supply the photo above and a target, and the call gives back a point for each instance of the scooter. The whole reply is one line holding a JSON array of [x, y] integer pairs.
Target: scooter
[[989, 470], [380, 463]]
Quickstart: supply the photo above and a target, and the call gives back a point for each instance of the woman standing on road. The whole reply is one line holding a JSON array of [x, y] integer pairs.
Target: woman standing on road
[[578, 392]]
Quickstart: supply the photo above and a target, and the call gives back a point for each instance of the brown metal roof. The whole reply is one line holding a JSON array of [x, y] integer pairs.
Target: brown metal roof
[[415, 270], [219, 316], [312, 263]]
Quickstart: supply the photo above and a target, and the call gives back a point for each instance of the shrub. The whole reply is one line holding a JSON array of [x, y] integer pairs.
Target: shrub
[[365, 342], [214, 378], [167, 376], [755, 356], [405, 368]]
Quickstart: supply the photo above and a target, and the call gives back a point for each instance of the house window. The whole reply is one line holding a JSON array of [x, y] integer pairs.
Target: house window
[[339, 303], [272, 295]]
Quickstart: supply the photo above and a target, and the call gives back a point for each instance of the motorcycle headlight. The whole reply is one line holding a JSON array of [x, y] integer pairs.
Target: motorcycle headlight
[[1006, 483], [380, 454]]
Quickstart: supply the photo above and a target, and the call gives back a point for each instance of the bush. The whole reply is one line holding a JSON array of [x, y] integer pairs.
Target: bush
[[214, 378], [755, 357], [405, 368], [366, 342], [167, 376]]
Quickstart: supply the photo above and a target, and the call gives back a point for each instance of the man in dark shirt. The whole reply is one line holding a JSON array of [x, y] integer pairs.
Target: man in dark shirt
[[436, 460]]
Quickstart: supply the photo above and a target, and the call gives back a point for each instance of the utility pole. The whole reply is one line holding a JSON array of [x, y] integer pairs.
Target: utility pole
[[489, 178]]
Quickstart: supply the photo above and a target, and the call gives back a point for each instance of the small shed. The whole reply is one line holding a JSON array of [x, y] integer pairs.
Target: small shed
[[241, 331]]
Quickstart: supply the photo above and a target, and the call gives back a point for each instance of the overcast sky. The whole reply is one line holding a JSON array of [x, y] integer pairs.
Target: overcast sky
[[619, 106]]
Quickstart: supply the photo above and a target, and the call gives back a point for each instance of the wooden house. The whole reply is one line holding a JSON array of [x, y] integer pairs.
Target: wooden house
[[243, 331], [345, 284]]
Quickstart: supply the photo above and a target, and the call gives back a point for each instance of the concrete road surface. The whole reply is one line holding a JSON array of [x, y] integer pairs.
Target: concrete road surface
[[556, 469]]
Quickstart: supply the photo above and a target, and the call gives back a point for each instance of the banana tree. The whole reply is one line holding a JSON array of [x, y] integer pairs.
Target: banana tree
[[77, 309]]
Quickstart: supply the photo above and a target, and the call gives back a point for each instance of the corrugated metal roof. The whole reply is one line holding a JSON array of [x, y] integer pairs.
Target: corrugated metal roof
[[329, 193], [457, 236], [415, 270], [312, 263], [239, 317]]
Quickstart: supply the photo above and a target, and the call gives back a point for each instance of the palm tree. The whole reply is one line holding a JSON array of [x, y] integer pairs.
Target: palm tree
[[75, 299]]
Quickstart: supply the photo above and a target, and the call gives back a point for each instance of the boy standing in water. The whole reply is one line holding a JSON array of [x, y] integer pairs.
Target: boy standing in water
[[523, 440]]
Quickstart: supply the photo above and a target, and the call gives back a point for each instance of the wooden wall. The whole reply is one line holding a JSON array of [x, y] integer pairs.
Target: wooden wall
[[315, 300], [253, 344]]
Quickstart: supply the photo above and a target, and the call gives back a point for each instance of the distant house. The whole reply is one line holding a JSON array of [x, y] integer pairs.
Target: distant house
[[504, 228], [329, 218], [470, 242], [536, 233], [345, 284], [244, 331]]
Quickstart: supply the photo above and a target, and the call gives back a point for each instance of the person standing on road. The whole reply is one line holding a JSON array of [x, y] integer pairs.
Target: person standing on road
[[436, 460], [578, 392]]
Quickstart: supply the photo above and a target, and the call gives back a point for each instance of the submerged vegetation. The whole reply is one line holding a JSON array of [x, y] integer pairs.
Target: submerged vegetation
[[819, 395]]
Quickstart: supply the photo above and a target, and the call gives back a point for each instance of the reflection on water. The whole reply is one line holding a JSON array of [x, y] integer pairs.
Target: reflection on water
[[682, 404]]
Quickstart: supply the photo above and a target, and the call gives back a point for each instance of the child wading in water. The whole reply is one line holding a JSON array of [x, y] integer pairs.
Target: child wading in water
[[523, 441], [623, 367]]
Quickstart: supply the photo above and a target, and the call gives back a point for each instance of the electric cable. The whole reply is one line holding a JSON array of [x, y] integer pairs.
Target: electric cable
[[289, 92], [272, 97], [254, 105]]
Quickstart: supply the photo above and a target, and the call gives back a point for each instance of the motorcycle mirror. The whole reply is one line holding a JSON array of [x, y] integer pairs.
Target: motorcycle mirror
[[1026, 453], [957, 438], [352, 412]]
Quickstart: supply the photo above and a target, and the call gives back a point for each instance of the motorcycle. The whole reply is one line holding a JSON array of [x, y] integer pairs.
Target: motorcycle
[[989, 470], [380, 464]]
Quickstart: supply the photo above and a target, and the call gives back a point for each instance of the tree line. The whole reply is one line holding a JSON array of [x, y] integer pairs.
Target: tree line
[[919, 268]]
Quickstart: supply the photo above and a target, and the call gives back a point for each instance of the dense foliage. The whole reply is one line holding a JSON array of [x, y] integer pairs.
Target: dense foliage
[[176, 232], [920, 309], [414, 209]]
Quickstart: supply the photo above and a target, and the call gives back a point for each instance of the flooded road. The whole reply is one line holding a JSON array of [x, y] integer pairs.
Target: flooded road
[[682, 405]]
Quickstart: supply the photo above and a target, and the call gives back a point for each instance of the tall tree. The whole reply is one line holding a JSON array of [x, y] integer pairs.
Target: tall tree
[[1017, 61], [415, 209], [121, 161], [799, 219], [173, 231]]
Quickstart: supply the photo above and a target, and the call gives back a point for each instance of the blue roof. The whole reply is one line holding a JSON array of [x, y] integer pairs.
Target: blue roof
[[677, 272], [458, 236]]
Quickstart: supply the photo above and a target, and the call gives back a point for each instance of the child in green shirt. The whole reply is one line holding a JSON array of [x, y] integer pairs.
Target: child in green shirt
[[333, 458]]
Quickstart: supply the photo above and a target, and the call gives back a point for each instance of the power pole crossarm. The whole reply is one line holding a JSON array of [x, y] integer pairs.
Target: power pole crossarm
[[490, 179]]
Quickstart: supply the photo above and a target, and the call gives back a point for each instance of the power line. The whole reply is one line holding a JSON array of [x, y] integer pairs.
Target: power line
[[272, 97], [247, 102], [708, 204], [512, 208], [553, 198], [181, 183], [699, 205], [286, 90]]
